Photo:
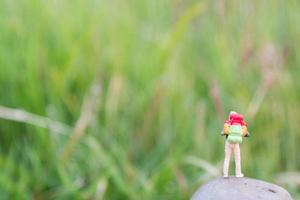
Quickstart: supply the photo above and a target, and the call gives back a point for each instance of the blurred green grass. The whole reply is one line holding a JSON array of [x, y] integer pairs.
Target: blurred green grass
[[169, 73]]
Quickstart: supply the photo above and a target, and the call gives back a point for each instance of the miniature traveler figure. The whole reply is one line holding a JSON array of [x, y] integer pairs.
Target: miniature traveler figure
[[235, 128]]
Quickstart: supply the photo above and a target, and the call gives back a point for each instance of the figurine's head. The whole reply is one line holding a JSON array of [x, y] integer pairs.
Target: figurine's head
[[236, 118]]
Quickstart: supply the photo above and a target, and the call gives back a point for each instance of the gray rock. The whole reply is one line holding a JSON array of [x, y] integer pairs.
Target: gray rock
[[233, 188]]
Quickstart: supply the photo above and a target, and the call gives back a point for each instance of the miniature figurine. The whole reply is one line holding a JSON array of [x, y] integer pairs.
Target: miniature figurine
[[235, 128]]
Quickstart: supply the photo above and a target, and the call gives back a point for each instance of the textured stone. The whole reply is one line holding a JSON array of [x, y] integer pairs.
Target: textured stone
[[233, 188]]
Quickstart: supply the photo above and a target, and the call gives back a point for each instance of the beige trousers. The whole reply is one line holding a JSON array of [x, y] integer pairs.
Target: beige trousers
[[237, 157]]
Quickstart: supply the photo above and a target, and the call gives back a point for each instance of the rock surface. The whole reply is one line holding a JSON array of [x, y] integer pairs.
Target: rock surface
[[233, 188]]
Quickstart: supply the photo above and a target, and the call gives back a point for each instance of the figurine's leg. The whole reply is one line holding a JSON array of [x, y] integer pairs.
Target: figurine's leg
[[237, 157], [228, 150]]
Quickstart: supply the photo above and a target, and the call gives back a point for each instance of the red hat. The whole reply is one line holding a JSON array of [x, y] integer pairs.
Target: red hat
[[235, 118]]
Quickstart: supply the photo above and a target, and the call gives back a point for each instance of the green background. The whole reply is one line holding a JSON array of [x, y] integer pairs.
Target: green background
[[130, 96]]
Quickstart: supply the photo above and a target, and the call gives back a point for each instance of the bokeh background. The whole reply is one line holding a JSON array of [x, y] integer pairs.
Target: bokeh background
[[114, 99]]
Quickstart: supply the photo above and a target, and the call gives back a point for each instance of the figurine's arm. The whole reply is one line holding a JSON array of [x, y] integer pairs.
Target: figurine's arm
[[226, 129], [245, 132]]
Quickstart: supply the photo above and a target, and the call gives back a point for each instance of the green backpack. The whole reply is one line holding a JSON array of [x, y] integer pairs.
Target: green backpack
[[235, 134]]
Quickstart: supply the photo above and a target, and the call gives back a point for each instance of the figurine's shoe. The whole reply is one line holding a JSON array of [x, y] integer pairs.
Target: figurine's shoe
[[225, 175], [239, 175]]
